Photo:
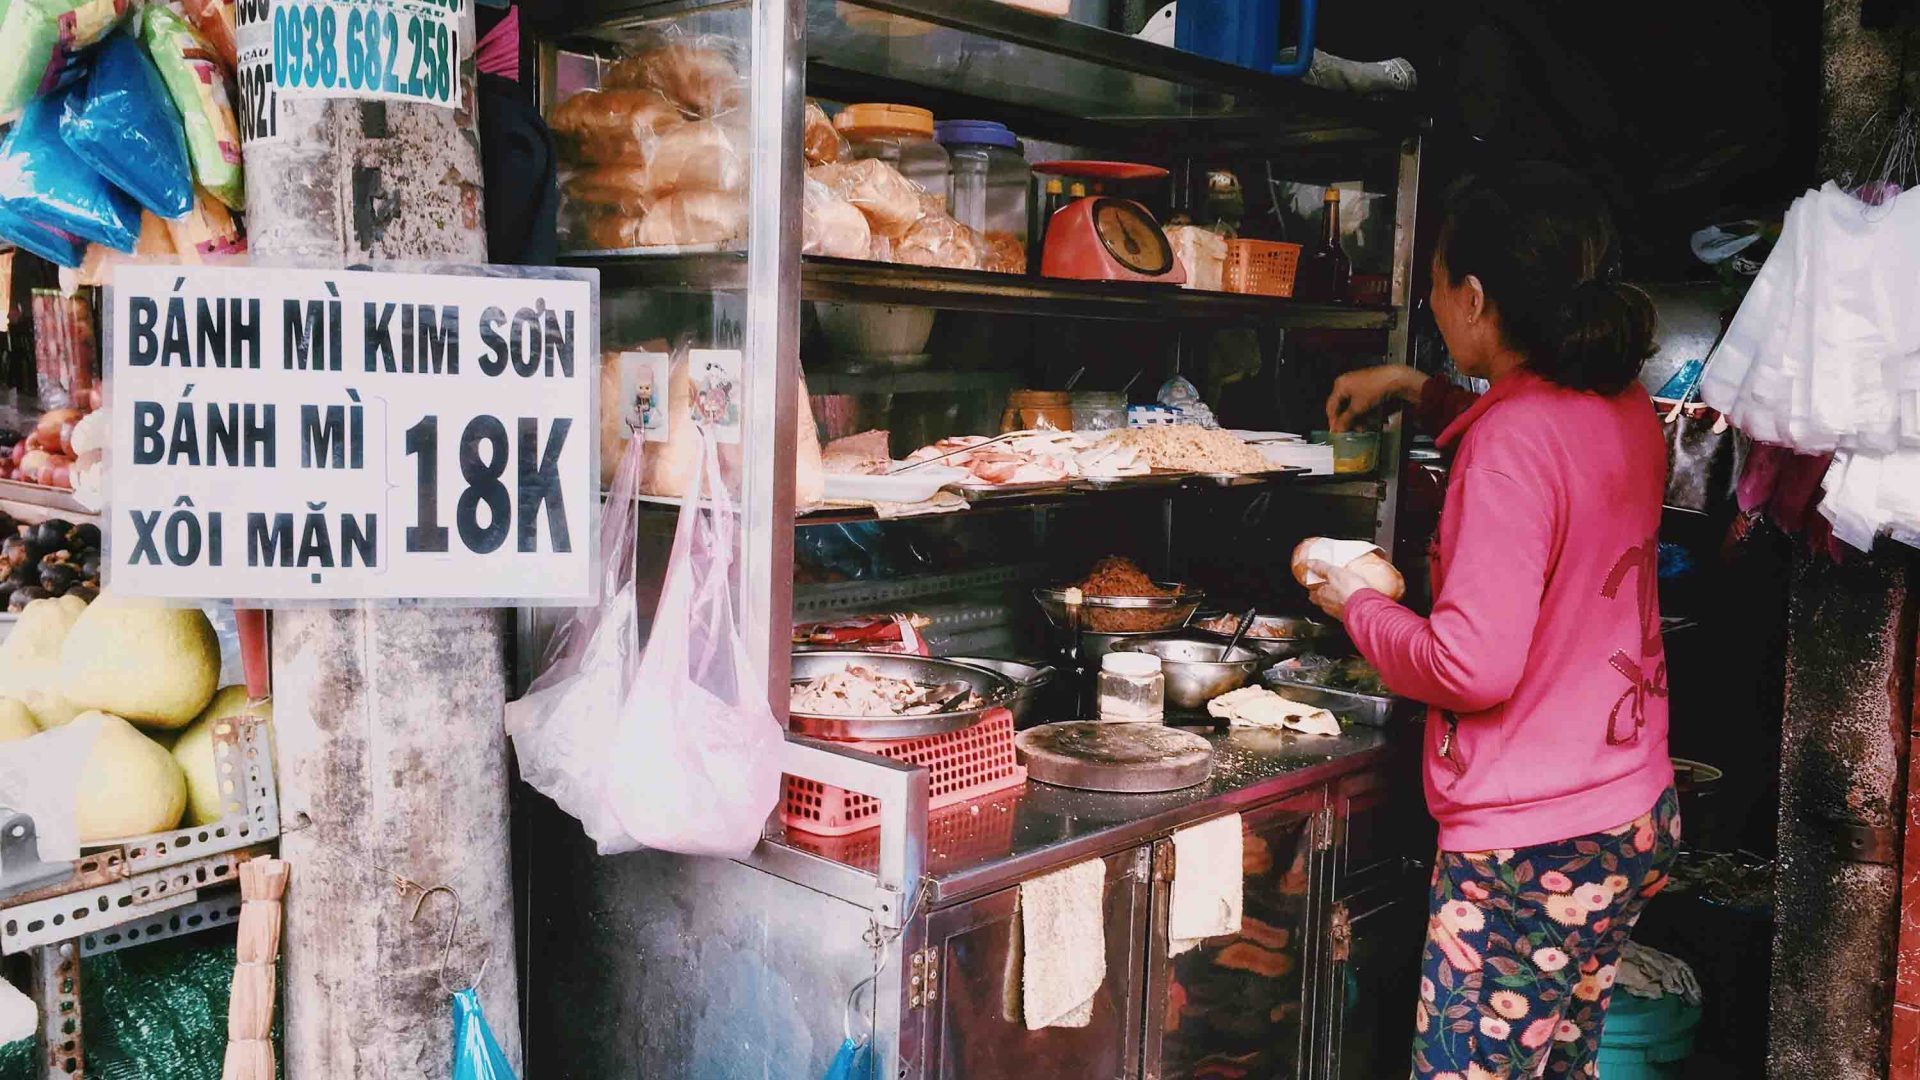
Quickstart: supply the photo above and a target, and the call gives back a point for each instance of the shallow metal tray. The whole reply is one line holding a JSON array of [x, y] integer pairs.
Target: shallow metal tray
[[1156, 479], [996, 689], [1371, 709], [1230, 480]]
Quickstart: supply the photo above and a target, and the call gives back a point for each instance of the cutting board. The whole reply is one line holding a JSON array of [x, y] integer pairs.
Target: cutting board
[[1095, 756]]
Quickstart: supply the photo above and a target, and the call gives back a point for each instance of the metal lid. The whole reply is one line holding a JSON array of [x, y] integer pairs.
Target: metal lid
[[1137, 665], [975, 133], [881, 118]]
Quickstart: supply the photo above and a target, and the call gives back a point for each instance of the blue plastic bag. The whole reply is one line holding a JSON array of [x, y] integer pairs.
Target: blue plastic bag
[[123, 123], [50, 244], [853, 1062], [43, 181], [476, 1056]]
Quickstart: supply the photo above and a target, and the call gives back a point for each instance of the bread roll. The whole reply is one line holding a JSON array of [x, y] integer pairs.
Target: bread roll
[[608, 189], [831, 225], [890, 201], [705, 155], [820, 140], [606, 127], [694, 217], [1362, 559], [696, 77], [938, 240], [606, 232]]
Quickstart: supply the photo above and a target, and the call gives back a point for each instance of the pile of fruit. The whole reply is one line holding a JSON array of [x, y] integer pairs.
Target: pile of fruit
[[52, 558], [140, 680]]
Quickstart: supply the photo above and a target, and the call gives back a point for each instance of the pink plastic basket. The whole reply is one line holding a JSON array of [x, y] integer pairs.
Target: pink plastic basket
[[961, 765]]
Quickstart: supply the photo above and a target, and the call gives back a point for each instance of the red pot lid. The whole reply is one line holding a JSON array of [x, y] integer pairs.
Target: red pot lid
[[1101, 170]]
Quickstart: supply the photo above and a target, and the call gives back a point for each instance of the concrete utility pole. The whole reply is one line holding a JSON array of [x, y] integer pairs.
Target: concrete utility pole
[[391, 752]]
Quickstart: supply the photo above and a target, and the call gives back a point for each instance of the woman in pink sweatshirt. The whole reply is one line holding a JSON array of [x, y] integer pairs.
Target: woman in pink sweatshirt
[[1546, 745]]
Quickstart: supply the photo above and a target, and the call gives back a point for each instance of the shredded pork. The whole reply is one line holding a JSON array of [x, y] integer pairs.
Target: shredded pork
[[859, 691]]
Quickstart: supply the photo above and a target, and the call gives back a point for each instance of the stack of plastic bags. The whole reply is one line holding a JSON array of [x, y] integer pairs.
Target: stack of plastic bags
[[1824, 356], [124, 139]]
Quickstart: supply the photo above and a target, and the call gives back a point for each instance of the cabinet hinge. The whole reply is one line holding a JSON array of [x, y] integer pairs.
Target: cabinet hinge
[[923, 978], [1323, 829], [1339, 933], [1163, 861]]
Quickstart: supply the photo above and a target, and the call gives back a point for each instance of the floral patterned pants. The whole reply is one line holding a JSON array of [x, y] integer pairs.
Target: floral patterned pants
[[1521, 948]]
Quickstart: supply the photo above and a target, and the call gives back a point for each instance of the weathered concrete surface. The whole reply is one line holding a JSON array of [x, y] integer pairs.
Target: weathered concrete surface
[[389, 720], [1843, 752]]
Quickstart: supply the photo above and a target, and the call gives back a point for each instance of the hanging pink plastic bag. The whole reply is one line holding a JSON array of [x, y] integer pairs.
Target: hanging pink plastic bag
[[671, 747]]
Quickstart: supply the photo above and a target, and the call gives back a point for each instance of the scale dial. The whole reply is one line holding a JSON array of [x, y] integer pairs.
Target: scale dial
[[1131, 237]]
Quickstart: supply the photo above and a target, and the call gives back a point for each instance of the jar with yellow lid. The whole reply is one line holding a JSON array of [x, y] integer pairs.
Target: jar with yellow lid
[[900, 135]]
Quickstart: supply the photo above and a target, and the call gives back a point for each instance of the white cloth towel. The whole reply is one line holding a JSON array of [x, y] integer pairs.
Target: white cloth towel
[[1064, 939], [19, 1017], [1208, 883]]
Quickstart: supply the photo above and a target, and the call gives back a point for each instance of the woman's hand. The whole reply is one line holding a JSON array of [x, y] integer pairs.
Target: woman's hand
[[1332, 594], [1358, 393]]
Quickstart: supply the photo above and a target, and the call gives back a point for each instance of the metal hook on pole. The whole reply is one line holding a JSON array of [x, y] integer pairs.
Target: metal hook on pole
[[453, 927]]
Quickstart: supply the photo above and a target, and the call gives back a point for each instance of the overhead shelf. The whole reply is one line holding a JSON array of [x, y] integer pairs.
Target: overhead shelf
[[974, 290], [994, 52]]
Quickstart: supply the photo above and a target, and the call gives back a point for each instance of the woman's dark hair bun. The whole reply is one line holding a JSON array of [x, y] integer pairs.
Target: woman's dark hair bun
[[1542, 243]]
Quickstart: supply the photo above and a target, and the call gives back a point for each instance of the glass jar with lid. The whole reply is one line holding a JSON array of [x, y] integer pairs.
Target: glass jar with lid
[[1131, 688], [990, 181], [901, 136], [1098, 410]]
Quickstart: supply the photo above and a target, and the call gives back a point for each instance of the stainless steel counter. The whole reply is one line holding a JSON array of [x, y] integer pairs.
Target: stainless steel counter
[[990, 842]]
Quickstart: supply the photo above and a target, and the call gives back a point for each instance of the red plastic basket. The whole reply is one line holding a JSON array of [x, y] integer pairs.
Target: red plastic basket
[[980, 828], [960, 765]]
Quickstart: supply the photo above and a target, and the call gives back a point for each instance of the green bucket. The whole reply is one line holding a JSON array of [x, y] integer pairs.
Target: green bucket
[[1647, 1038]]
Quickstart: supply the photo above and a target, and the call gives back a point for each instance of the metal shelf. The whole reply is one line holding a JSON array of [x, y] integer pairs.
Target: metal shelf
[[994, 52], [974, 290]]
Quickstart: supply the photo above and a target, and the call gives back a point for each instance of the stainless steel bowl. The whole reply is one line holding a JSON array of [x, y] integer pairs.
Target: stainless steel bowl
[[1030, 678], [996, 689], [1124, 614], [1286, 635], [1194, 671]]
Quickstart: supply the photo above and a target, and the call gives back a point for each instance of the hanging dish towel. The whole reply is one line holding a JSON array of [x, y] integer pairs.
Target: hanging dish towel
[[1207, 883], [1064, 938]]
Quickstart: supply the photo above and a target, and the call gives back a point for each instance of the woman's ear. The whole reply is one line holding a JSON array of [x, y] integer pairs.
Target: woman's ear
[[1475, 298]]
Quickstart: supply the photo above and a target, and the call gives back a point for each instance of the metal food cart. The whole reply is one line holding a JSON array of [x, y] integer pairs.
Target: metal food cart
[[656, 965]]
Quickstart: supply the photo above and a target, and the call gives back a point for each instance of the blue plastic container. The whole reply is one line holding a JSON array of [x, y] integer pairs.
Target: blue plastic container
[[1647, 1038], [1243, 32]]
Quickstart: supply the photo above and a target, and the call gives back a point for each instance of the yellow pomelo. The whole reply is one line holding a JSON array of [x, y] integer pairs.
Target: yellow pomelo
[[30, 659], [15, 721], [130, 785], [154, 665], [193, 750]]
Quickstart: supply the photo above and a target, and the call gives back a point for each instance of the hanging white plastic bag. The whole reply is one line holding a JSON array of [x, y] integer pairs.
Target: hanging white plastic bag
[[563, 725], [40, 776], [695, 765]]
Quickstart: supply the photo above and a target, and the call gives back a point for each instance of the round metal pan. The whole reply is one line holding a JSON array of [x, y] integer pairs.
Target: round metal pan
[[996, 689]]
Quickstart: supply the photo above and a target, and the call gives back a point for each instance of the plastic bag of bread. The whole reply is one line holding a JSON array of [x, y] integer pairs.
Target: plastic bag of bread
[[608, 189], [611, 127], [1359, 556], [694, 217], [820, 141], [589, 231], [706, 155], [697, 73], [831, 224], [891, 202], [1003, 253], [938, 240]]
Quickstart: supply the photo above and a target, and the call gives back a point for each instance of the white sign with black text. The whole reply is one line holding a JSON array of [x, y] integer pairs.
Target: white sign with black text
[[296, 436]]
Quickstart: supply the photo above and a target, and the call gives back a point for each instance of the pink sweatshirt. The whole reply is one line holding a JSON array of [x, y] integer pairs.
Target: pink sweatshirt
[[1542, 663]]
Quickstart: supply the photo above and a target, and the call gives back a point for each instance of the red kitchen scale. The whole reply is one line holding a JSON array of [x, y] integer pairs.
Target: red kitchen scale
[[1103, 238]]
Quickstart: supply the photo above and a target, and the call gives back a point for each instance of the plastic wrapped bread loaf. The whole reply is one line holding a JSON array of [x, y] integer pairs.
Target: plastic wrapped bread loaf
[[604, 232], [607, 127], [891, 202], [608, 189], [694, 217], [820, 140], [697, 74], [938, 240], [706, 155], [832, 225]]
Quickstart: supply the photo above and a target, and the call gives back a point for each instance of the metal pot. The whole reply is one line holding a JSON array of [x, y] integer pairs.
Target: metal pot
[[995, 689], [1285, 635], [1194, 672], [1031, 679]]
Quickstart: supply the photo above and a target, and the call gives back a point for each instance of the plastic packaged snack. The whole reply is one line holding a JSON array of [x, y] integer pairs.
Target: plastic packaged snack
[[51, 244], [122, 122], [200, 90], [938, 240], [66, 351], [608, 127], [44, 181], [820, 140], [156, 242], [697, 73], [831, 225], [706, 155], [694, 217], [216, 19], [891, 202], [39, 37], [209, 229]]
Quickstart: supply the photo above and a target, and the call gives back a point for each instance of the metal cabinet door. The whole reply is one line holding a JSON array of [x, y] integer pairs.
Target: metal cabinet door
[[1241, 1005], [976, 1030]]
